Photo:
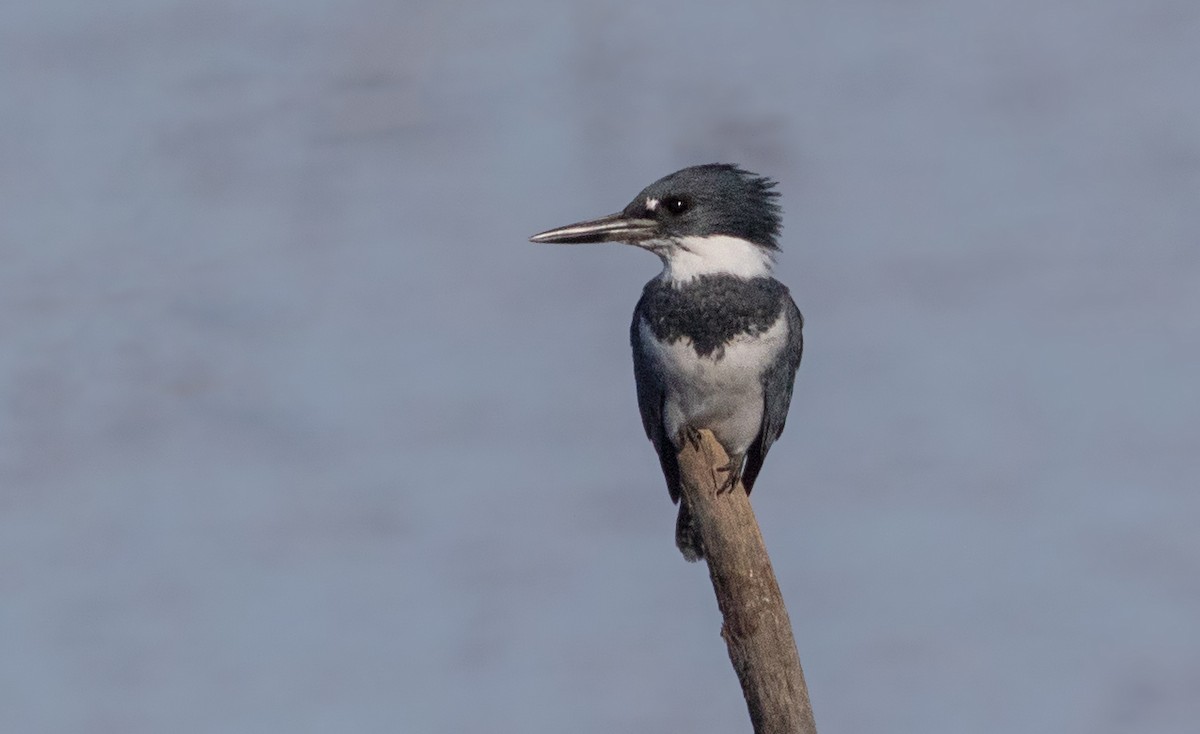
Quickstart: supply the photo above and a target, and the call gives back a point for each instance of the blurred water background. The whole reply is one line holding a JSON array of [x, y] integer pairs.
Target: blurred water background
[[299, 434]]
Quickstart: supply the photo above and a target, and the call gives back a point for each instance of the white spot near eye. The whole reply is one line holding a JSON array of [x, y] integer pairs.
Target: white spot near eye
[[651, 204]]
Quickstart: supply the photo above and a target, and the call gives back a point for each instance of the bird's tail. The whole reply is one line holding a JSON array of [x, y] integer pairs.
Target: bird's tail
[[687, 539]]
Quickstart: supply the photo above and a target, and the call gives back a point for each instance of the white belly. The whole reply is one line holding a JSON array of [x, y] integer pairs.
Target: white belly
[[720, 392]]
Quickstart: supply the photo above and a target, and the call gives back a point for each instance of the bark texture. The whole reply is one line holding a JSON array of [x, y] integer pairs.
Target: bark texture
[[756, 629]]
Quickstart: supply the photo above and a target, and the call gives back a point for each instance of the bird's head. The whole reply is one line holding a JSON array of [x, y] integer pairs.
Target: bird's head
[[709, 219]]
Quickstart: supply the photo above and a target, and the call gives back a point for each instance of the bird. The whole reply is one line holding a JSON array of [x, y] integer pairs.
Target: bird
[[716, 339]]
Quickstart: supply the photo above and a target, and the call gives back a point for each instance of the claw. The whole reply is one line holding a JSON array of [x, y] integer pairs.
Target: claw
[[692, 436], [732, 472]]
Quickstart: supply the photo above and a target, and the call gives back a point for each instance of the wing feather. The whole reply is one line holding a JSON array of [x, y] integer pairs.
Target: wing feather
[[777, 393], [651, 394]]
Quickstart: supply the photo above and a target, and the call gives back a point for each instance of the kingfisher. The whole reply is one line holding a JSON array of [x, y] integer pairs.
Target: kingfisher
[[716, 339]]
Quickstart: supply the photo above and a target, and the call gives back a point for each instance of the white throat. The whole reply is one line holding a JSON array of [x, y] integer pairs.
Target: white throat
[[690, 257]]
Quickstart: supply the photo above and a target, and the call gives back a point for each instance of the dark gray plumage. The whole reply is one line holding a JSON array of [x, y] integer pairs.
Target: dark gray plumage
[[716, 341]]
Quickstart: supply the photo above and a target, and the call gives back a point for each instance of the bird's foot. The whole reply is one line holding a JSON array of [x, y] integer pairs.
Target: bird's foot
[[725, 477], [732, 474], [692, 436]]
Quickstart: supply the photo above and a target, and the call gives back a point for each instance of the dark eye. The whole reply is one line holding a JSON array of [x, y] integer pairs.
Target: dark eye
[[677, 205]]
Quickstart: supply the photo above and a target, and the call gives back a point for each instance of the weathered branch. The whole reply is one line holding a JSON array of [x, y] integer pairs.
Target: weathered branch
[[756, 630]]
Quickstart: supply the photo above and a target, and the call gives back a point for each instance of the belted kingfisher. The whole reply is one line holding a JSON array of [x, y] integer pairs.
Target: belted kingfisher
[[716, 340]]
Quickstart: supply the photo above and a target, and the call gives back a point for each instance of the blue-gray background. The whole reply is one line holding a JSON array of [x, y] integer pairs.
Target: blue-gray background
[[298, 433]]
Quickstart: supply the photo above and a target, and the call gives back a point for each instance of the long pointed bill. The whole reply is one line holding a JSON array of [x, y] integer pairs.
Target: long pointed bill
[[613, 228]]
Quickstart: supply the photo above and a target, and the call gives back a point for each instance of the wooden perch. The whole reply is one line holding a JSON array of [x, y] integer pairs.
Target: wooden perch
[[756, 629]]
